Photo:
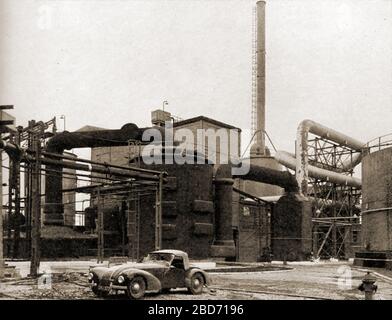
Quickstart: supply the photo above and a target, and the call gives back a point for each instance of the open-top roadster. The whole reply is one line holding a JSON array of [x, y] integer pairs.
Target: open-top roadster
[[160, 271]]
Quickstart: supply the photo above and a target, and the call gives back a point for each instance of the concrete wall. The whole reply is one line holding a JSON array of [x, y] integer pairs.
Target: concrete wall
[[69, 198]]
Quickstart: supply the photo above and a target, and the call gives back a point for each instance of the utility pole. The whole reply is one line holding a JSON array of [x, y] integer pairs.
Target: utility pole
[[158, 214], [1, 217], [36, 208], [7, 122], [14, 196], [100, 226]]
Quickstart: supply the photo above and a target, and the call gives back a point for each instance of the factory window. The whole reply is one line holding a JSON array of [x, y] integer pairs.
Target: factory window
[[245, 211], [79, 219], [355, 236]]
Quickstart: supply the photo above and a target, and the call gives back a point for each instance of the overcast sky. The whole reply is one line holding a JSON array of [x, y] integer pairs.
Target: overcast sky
[[106, 63]]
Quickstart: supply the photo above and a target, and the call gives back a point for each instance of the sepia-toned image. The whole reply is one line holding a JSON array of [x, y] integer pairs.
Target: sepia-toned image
[[213, 151]]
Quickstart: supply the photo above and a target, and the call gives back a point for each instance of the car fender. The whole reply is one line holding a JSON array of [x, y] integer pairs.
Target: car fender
[[153, 283], [99, 271], [192, 271]]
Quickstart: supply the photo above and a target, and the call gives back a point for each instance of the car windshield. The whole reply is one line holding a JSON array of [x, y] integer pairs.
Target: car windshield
[[155, 257]]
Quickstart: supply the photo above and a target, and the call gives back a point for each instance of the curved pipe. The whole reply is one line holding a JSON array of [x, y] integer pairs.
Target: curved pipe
[[68, 140], [351, 163], [13, 150], [289, 161], [302, 165], [324, 132]]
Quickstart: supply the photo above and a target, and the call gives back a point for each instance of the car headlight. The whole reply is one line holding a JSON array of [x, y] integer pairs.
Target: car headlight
[[121, 279], [90, 276]]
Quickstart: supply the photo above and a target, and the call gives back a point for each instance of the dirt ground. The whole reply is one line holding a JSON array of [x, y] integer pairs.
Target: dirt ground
[[302, 281]]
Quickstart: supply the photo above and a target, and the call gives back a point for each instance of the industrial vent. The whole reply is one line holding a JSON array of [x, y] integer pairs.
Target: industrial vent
[[159, 117]]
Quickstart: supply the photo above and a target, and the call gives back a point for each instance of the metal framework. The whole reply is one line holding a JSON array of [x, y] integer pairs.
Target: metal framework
[[20, 205], [108, 183], [130, 193], [336, 207]]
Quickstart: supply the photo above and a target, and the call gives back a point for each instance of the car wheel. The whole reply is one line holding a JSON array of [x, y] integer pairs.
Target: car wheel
[[136, 288], [96, 291], [197, 284]]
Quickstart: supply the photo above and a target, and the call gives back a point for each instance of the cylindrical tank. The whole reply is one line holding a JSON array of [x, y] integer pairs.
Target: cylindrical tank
[[377, 200], [69, 182], [259, 189]]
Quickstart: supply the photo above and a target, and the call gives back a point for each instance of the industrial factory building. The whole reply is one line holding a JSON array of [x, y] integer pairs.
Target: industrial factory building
[[185, 184]]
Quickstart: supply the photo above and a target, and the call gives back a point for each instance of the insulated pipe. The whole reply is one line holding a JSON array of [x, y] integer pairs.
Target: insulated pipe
[[282, 179], [223, 245], [68, 140], [11, 149], [289, 161], [350, 164], [302, 164]]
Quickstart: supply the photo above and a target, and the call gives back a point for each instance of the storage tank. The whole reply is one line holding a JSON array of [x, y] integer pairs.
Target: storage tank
[[69, 181], [377, 200], [69, 198]]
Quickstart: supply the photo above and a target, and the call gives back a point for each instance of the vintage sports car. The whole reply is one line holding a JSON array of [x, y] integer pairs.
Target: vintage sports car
[[160, 271]]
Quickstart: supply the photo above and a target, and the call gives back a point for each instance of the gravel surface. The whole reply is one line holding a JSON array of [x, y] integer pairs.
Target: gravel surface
[[308, 281]]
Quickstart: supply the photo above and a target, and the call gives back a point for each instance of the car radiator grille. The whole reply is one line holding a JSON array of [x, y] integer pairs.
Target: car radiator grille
[[105, 281]]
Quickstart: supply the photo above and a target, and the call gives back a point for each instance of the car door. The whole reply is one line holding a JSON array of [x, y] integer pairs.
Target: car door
[[174, 276]]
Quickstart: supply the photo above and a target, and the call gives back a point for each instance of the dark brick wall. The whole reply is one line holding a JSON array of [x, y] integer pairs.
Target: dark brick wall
[[187, 211]]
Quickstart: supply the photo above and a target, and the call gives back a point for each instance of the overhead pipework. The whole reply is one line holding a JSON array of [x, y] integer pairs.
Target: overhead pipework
[[289, 160], [84, 139], [282, 179], [224, 180], [302, 161]]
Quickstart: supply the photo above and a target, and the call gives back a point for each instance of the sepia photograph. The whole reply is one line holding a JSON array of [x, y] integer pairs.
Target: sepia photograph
[[208, 152]]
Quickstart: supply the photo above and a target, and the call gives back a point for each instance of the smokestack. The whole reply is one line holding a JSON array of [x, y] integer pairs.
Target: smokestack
[[259, 147]]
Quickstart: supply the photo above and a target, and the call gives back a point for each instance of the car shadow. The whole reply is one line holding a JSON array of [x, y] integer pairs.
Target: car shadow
[[123, 295]]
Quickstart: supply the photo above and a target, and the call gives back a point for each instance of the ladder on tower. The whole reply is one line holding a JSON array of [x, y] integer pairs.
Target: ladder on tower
[[254, 73]]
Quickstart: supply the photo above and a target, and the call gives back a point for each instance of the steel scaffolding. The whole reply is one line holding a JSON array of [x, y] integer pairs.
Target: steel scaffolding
[[336, 209]]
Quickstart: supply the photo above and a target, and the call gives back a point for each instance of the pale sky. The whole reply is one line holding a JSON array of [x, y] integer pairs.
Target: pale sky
[[106, 63]]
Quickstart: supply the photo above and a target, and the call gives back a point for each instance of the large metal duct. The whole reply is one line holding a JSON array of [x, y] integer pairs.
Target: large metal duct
[[224, 243], [13, 151], [290, 161], [68, 140], [302, 163], [282, 179]]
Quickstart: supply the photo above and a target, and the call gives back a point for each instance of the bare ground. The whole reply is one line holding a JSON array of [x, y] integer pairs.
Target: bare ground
[[308, 281]]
